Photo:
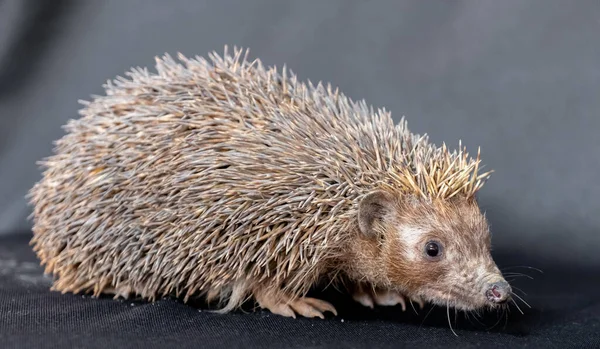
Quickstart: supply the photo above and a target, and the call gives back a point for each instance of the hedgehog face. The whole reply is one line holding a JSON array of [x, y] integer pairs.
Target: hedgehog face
[[436, 251]]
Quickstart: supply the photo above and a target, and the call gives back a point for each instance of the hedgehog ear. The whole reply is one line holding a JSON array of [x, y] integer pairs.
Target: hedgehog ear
[[372, 208]]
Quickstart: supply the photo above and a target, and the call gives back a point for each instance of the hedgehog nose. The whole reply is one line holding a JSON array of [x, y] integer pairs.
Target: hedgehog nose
[[498, 292]]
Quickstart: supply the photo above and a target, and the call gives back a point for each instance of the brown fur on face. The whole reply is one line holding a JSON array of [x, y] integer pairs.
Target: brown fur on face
[[394, 231]]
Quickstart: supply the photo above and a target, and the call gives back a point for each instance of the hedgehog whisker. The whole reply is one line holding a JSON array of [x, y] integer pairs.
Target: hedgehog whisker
[[521, 299], [448, 312], [413, 307], [475, 316], [515, 275], [522, 266], [426, 315], [518, 289], [498, 321], [455, 316], [516, 305]]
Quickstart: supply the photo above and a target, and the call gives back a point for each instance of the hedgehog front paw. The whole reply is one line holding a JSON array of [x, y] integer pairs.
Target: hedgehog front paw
[[368, 297], [288, 307]]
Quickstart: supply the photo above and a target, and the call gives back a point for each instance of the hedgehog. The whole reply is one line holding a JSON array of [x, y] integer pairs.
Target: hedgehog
[[224, 179]]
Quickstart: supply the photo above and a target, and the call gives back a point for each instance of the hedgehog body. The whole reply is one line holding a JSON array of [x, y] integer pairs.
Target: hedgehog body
[[222, 177]]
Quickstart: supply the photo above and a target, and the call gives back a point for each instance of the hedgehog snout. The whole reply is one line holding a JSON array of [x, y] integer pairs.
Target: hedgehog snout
[[498, 292], [494, 288]]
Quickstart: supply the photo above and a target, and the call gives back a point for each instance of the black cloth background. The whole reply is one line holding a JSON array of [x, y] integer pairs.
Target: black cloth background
[[519, 78], [565, 313]]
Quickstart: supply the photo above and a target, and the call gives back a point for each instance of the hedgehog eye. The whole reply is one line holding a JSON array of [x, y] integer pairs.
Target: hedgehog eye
[[433, 250]]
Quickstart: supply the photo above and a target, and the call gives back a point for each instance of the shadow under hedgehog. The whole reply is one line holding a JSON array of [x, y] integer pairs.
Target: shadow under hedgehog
[[228, 180]]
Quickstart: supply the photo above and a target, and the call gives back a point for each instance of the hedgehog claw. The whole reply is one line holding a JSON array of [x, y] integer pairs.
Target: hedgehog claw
[[305, 306], [283, 310], [317, 306], [364, 299]]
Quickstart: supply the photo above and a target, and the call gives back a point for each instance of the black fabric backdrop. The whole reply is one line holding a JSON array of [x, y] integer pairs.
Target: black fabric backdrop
[[519, 78], [565, 313]]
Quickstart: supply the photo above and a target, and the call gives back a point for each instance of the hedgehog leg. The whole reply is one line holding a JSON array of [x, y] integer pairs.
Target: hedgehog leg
[[363, 297], [287, 306], [389, 298], [368, 297]]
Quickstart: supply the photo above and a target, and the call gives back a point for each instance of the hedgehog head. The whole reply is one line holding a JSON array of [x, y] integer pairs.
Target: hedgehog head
[[435, 250], [426, 236]]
